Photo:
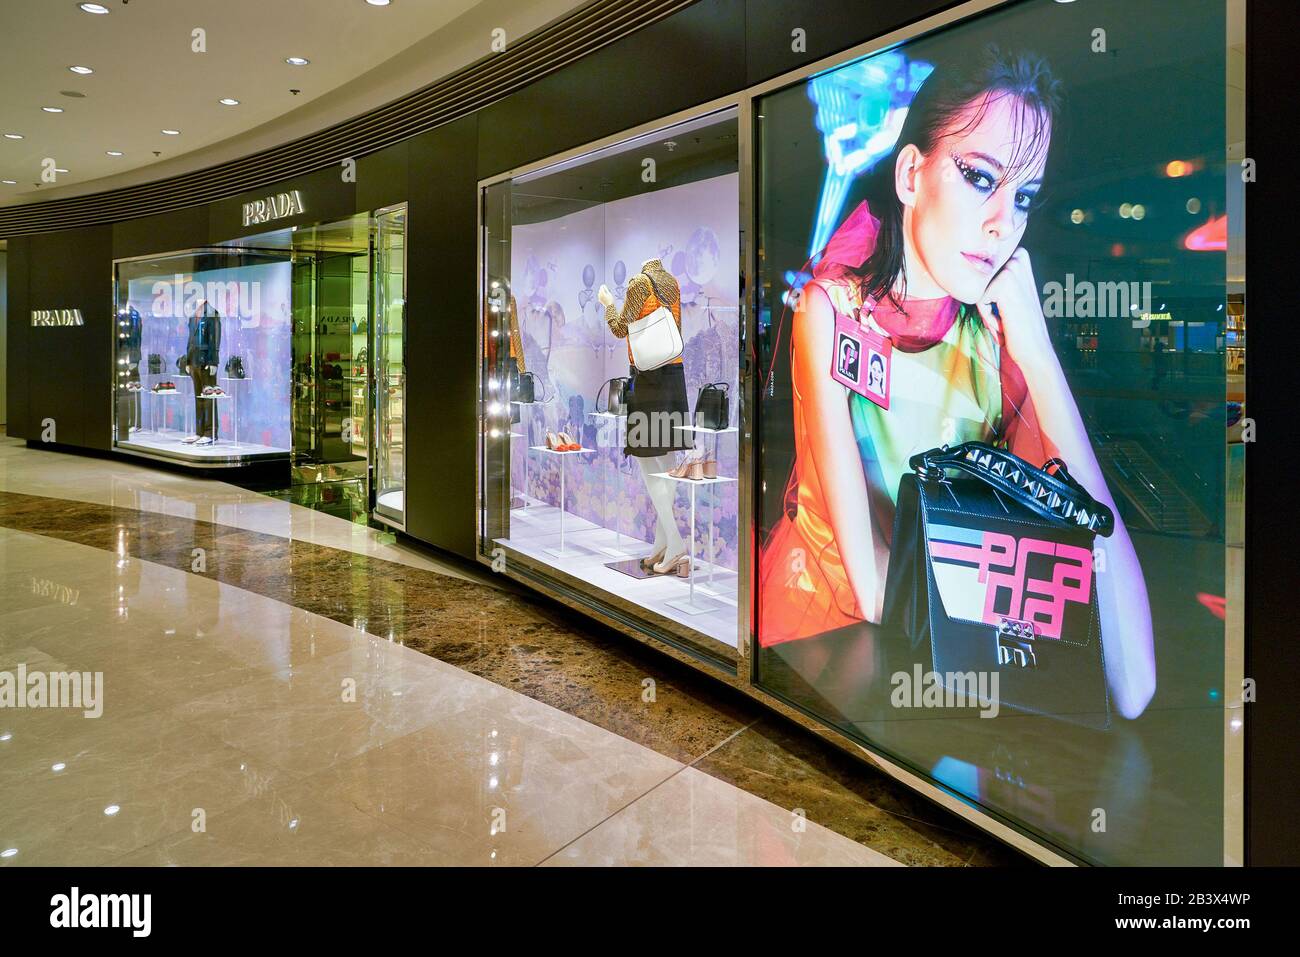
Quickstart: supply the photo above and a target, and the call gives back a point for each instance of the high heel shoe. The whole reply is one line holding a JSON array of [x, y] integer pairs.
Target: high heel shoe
[[567, 444], [679, 566], [710, 467], [649, 562], [696, 471], [553, 442], [683, 468]]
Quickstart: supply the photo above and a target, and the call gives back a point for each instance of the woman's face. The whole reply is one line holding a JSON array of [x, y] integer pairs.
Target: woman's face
[[964, 215]]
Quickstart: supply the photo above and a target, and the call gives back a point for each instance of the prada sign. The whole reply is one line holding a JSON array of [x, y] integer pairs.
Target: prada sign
[[273, 207], [57, 317]]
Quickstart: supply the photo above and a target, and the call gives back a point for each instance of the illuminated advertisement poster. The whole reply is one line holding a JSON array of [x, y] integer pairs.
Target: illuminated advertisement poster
[[996, 323]]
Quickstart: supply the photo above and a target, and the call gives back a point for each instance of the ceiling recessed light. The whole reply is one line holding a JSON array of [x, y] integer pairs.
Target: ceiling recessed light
[[228, 101], [9, 182], [97, 8], [379, 3], [114, 152], [297, 61], [59, 169], [13, 136], [83, 70], [52, 109], [171, 132]]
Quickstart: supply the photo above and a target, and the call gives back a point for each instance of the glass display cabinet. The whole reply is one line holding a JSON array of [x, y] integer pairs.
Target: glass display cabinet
[[610, 469], [202, 343]]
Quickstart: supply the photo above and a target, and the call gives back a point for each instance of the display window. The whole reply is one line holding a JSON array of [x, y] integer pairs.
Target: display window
[[610, 358], [996, 323], [202, 355]]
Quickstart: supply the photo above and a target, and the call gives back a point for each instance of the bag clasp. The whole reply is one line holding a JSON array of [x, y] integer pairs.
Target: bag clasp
[[1016, 643]]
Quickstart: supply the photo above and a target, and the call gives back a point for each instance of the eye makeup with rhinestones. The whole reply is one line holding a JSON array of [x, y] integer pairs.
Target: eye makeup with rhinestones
[[986, 183]]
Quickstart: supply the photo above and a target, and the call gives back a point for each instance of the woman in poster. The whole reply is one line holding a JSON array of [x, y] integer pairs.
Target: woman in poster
[[931, 266]]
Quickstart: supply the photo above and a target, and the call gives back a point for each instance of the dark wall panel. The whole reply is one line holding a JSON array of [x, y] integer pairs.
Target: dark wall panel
[[381, 177], [69, 368], [829, 26], [1272, 564], [690, 58], [442, 401], [19, 327], [167, 233]]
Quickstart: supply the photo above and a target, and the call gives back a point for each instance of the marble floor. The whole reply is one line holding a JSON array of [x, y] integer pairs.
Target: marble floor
[[283, 687]]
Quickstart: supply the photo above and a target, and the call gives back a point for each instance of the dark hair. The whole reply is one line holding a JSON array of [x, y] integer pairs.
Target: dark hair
[[951, 88]]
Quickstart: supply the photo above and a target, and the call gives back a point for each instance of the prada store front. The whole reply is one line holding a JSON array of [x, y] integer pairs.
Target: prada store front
[[274, 344]]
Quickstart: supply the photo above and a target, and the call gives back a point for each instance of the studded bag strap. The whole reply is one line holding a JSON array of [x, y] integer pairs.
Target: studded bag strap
[[1050, 492]]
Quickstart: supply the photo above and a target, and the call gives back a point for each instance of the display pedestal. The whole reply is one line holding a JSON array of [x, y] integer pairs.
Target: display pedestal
[[707, 588], [616, 550], [692, 605], [523, 492], [216, 415], [560, 552], [234, 406], [161, 429]]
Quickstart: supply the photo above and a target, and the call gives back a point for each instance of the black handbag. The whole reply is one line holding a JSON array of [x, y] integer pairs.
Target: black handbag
[[155, 364], [235, 367], [615, 396], [991, 572], [527, 391], [712, 410]]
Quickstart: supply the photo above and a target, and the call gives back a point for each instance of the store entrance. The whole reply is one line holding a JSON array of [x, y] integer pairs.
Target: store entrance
[[330, 398], [337, 380]]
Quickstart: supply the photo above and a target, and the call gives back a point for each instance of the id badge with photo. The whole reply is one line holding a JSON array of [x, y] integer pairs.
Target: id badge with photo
[[861, 361]]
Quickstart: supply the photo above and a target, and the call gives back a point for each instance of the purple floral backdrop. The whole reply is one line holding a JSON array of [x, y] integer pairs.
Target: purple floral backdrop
[[557, 268], [259, 331]]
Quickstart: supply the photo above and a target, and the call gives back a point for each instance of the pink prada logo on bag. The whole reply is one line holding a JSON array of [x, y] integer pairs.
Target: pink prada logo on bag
[[989, 576]]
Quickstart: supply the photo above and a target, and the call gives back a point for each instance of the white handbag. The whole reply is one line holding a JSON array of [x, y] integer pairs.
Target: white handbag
[[655, 340]]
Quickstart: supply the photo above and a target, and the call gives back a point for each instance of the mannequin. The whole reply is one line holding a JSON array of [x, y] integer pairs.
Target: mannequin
[[656, 403], [202, 349]]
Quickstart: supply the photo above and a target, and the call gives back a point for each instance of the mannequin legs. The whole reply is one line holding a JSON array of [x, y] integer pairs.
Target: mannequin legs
[[662, 492]]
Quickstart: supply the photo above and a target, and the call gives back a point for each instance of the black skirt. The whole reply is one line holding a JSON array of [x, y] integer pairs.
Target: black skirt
[[656, 411]]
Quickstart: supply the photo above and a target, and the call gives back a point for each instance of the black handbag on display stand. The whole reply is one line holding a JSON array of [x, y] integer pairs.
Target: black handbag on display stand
[[235, 367], [712, 408], [155, 364], [180, 365], [991, 572], [615, 396]]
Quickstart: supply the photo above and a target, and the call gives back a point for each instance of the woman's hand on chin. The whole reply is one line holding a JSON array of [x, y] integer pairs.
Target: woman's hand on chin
[[1019, 324]]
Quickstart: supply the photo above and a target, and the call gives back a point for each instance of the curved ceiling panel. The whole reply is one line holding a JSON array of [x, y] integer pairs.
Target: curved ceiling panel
[[461, 93]]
